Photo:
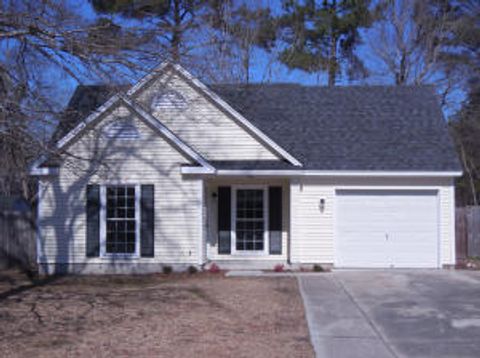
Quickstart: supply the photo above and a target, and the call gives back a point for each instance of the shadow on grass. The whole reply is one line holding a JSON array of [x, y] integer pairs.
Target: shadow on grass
[[35, 282]]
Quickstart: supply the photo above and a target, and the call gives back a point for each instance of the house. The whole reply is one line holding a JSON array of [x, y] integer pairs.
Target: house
[[174, 172]]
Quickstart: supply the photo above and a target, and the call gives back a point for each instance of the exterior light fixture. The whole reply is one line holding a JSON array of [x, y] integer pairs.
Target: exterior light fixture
[[321, 205]]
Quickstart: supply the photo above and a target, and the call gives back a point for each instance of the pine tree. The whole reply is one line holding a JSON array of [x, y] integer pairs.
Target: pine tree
[[172, 21], [322, 36]]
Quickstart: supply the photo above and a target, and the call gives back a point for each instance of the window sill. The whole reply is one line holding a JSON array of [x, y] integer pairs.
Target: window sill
[[249, 253]]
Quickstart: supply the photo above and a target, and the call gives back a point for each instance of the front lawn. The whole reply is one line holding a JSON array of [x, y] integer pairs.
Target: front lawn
[[202, 315]]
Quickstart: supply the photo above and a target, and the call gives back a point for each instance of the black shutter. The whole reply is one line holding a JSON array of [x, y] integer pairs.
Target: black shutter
[[147, 221], [275, 219], [224, 219], [93, 221]]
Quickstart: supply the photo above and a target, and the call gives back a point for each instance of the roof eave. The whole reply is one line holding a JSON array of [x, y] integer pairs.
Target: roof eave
[[324, 173]]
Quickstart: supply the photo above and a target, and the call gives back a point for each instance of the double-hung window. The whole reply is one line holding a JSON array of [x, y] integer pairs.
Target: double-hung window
[[120, 220]]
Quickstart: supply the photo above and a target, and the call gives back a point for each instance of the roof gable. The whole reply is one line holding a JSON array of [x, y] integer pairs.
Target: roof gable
[[256, 134], [100, 113]]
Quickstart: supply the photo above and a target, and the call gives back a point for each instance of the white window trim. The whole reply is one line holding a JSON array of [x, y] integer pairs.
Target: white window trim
[[103, 223], [233, 233]]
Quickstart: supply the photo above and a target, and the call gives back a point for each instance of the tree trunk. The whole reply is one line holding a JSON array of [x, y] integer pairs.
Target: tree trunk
[[332, 62], [469, 175], [401, 77], [176, 32], [246, 64]]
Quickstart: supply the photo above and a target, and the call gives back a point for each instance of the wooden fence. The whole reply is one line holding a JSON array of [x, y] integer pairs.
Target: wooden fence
[[17, 238], [467, 236]]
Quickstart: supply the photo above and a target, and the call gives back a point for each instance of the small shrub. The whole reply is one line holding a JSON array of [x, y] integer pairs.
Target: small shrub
[[167, 270], [279, 268], [192, 270], [318, 268], [214, 268]]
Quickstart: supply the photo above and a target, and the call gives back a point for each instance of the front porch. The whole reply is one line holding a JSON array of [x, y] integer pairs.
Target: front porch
[[247, 222]]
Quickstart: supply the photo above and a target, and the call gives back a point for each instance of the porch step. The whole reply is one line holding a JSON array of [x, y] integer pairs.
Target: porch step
[[244, 273], [247, 265]]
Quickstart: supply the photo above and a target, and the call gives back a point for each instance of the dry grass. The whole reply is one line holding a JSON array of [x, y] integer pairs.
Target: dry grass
[[204, 315]]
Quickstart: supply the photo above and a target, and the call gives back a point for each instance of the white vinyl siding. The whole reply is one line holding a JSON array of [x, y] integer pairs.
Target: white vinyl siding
[[313, 231], [201, 124], [146, 160]]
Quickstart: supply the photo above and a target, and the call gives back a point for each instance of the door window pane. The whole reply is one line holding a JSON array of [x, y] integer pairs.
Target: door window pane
[[250, 222]]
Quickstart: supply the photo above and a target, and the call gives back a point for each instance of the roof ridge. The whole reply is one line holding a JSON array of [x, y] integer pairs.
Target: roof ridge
[[334, 88]]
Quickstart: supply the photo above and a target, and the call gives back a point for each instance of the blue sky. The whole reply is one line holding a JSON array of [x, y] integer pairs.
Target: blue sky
[[264, 68]]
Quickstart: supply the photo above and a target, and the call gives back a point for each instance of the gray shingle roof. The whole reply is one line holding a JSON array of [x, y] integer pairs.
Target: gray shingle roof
[[84, 100], [350, 128], [341, 128]]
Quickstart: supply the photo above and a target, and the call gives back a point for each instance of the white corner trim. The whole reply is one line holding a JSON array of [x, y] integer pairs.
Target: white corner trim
[[202, 239], [219, 101], [323, 173], [38, 236], [167, 133], [453, 243]]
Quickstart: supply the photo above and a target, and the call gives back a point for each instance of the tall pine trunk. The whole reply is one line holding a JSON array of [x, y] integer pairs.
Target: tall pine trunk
[[176, 32], [332, 62]]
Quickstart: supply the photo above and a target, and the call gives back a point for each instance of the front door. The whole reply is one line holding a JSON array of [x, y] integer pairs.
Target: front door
[[249, 220]]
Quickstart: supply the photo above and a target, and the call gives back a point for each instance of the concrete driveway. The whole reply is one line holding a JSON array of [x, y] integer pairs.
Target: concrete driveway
[[393, 313]]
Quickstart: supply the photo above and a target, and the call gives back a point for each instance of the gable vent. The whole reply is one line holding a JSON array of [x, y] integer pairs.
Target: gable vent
[[122, 129], [169, 99]]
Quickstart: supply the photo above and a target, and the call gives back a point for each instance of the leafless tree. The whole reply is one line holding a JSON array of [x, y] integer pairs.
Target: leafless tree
[[41, 40], [408, 41]]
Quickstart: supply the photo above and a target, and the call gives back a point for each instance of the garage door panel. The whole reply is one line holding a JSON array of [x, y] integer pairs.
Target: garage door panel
[[385, 228]]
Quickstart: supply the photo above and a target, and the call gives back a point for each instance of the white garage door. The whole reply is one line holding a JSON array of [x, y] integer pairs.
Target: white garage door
[[386, 228]]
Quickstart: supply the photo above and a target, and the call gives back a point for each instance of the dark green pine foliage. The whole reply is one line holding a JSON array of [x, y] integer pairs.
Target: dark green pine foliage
[[461, 57], [466, 132], [172, 20], [321, 36]]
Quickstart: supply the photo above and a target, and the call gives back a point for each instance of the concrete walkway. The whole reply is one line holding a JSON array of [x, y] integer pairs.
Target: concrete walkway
[[338, 326]]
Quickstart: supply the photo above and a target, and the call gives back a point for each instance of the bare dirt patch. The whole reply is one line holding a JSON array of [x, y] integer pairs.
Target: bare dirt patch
[[201, 315]]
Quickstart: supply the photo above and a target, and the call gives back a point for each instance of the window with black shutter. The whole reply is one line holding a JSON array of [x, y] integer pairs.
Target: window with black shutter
[[120, 220], [275, 220]]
